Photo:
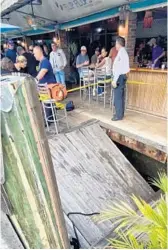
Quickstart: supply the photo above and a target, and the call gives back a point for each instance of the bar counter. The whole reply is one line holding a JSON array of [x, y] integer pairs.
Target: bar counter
[[147, 91]]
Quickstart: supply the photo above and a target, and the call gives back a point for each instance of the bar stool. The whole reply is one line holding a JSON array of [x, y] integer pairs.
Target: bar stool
[[86, 78], [57, 114], [102, 79]]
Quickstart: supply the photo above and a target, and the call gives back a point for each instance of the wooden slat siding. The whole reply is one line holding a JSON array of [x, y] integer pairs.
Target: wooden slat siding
[[91, 173], [25, 182], [150, 97]]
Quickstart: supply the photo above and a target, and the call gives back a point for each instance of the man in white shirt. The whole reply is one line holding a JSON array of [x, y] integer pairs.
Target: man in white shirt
[[58, 61], [120, 69]]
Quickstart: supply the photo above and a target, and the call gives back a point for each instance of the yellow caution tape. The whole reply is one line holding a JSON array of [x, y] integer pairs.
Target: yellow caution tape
[[95, 84]]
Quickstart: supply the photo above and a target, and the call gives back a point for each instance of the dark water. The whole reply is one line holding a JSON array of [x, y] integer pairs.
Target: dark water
[[145, 165]]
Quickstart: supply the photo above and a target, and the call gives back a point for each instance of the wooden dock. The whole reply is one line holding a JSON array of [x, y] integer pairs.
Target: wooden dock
[[145, 128], [141, 132], [91, 174]]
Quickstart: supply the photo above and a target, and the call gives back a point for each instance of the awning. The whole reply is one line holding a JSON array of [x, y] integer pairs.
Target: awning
[[134, 6], [71, 13], [5, 28]]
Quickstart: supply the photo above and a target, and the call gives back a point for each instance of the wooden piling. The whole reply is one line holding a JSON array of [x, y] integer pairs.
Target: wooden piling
[[30, 180]]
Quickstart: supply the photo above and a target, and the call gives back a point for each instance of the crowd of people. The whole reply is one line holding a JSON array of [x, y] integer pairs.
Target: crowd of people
[[150, 54], [31, 62], [49, 67]]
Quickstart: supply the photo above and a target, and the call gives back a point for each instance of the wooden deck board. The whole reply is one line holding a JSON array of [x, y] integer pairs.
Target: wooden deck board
[[91, 173]]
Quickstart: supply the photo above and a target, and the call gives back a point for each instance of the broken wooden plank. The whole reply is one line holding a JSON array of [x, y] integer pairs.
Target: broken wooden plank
[[91, 173]]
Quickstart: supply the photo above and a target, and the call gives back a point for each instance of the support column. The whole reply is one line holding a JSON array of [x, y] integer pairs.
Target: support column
[[129, 32]]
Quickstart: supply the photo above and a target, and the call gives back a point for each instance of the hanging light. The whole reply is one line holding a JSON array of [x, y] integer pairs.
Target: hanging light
[[99, 29], [31, 22]]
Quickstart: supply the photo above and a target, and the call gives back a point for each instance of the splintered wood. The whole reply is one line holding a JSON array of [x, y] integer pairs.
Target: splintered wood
[[91, 174]]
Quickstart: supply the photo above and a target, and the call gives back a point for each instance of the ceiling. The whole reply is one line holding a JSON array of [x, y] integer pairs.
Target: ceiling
[[59, 10]]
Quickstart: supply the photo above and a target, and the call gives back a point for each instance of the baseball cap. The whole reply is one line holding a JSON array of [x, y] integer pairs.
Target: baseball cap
[[83, 48], [10, 42], [151, 41]]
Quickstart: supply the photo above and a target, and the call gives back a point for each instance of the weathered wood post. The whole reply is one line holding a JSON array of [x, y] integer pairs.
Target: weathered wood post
[[30, 181]]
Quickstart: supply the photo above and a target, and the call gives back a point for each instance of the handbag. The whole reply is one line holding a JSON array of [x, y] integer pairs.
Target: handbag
[[57, 91]]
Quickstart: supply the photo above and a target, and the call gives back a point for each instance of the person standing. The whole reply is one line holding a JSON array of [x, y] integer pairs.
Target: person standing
[[120, 69], [113, 53], [31, 61], [82, 60], [11, 52], [157, 53], [58, 61], [45, 73], [31, 49], [46, 52]]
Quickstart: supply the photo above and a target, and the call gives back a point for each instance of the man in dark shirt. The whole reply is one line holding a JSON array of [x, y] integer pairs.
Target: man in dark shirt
[[31, 61], [45, 73], [11, 52]]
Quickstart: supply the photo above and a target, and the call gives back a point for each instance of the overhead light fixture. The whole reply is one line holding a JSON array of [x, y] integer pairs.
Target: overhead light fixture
[[31, 22], [99, 29]]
